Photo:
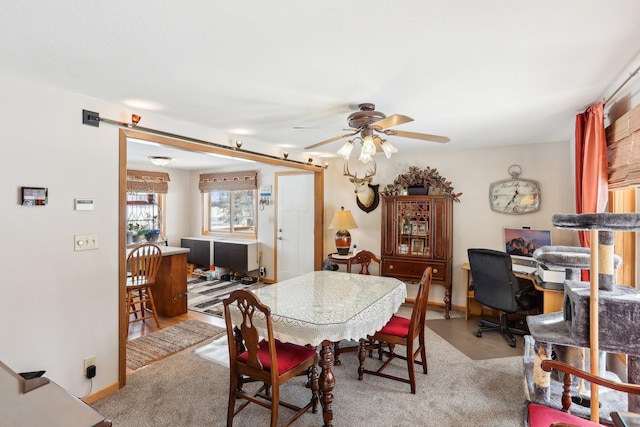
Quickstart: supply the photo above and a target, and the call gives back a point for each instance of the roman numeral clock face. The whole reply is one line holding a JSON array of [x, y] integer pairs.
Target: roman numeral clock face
[[514, 196]]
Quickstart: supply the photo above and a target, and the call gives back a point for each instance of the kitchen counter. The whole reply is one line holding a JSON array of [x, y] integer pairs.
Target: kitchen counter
[[170, 290]]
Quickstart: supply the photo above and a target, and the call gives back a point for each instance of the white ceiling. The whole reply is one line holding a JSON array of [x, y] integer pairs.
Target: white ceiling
[[483, 73]]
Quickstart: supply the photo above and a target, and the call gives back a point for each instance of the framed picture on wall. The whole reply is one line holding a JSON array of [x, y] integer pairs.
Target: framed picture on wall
[[34, 196]]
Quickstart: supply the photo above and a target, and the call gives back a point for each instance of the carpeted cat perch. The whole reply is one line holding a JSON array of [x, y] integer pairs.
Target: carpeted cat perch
[[599, 314]]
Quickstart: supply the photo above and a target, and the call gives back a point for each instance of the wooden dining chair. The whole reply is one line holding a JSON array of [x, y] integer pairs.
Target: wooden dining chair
[[402, 331], [264, 360], [539, 415], [143, 262], [364, 258]]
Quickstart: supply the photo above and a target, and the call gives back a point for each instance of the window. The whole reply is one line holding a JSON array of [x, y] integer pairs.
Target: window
[[146, 205], [229, 203], [231, 211], [145, 213]]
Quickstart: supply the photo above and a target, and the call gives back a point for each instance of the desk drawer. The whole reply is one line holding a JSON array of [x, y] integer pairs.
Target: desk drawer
[[413, 269]]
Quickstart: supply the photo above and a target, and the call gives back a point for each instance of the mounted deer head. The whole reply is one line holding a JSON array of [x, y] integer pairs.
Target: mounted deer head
[[367, 196]]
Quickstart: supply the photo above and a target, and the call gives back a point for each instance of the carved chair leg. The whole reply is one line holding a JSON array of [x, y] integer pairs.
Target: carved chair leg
[[315, 388], [362, 355], [336, 354]]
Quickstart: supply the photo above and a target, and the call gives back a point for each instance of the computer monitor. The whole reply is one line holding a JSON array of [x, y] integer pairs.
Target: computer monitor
[[521, 242]]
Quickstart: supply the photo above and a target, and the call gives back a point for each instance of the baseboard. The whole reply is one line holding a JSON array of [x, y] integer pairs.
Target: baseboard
[[94, 397]]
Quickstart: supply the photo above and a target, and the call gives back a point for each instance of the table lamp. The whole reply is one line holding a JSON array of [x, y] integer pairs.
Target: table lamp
[[342, 220]]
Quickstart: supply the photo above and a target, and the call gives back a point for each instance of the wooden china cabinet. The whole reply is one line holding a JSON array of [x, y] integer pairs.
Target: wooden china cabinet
[[417, 233]]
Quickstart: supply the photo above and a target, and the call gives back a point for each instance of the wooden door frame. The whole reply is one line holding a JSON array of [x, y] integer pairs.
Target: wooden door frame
[[123, 135]]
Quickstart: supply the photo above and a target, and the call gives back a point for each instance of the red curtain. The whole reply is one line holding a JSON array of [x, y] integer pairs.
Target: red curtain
[[591, 164]]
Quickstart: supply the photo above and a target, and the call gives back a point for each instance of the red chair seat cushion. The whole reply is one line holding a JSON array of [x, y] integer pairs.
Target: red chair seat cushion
[[288, 355], [396, 326], [543, 416]]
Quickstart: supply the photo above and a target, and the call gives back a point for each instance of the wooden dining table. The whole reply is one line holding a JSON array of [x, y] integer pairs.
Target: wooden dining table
[[323, 307]]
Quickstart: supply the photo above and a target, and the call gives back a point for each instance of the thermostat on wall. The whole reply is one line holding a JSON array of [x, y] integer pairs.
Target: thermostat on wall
[[84, 204]]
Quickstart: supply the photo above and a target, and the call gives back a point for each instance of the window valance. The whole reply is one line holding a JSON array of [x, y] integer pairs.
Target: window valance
[[147, 182], [623, 146], [242, 180]]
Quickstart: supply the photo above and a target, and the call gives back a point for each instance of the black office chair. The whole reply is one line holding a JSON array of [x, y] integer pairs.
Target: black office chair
[[495, 286]]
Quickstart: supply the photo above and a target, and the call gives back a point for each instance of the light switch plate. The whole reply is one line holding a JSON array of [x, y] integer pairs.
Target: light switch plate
[[86, 242]]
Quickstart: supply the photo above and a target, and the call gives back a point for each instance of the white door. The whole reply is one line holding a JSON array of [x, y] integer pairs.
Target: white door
[[294, 228]]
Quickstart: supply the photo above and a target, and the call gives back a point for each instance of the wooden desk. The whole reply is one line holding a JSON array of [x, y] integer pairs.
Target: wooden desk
[[552, 299], [323, 307]]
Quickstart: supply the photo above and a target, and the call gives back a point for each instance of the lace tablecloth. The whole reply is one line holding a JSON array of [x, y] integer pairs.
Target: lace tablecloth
[[331, 305]]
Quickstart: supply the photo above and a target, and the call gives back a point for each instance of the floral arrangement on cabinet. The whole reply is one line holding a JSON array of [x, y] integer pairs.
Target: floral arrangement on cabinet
[[426, 178]]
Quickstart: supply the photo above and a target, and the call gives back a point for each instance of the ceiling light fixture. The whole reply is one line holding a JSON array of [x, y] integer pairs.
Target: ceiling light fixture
[[368, 149], [370, 144], [346, 149], [387, 148], [160, 160]]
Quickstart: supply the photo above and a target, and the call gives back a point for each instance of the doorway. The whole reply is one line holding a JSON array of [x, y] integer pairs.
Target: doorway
[[200, 147]]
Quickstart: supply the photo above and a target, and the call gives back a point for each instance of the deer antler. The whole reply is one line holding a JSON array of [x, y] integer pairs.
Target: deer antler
[[370, 174], [347, 173]]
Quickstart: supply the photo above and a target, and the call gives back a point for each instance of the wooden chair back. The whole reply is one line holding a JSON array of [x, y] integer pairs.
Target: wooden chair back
[[144, 263], [247, 338], [248, 362], [419, 312], [364, 258]]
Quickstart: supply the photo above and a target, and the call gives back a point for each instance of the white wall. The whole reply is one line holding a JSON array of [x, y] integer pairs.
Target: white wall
[[471, 172], [58, 306]]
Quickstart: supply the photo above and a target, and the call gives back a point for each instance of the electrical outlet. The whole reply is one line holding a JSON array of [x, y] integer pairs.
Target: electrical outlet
[[89, 361]]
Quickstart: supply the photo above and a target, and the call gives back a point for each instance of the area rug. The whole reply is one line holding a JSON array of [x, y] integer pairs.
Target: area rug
[[165, 342], [461, 334], [205, 296]]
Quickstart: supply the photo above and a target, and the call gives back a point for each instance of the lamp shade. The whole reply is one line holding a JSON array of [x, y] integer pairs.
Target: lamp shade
[[342, 220]]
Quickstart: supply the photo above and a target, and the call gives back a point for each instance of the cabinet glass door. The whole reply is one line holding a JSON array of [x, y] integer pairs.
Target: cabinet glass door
[[413, 232]]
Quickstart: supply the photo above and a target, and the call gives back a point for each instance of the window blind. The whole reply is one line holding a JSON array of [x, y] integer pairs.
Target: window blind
[[623, 149], [242, 180], [147, 182]]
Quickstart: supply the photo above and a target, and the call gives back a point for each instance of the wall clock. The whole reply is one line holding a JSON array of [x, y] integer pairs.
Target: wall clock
[[515, 196]]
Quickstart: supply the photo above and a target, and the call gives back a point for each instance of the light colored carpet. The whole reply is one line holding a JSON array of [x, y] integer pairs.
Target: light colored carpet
[[188, 390], [160, 344]]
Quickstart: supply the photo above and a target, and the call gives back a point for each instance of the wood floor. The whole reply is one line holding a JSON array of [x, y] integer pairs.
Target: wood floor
[[138, 329]]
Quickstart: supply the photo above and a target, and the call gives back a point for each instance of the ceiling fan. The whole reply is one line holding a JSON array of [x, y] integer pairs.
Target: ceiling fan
[[369, 123]]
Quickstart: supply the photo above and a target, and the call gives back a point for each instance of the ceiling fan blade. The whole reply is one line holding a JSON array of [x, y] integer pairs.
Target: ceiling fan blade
[[414, 135], [331, 140], [395, 120]]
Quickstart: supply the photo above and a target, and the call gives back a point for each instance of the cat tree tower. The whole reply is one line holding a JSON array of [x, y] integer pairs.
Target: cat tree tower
[[597, 315]]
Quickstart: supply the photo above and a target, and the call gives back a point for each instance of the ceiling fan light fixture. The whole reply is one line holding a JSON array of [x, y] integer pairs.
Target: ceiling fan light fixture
[[388, 148], [368, 149], [346, 149]]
